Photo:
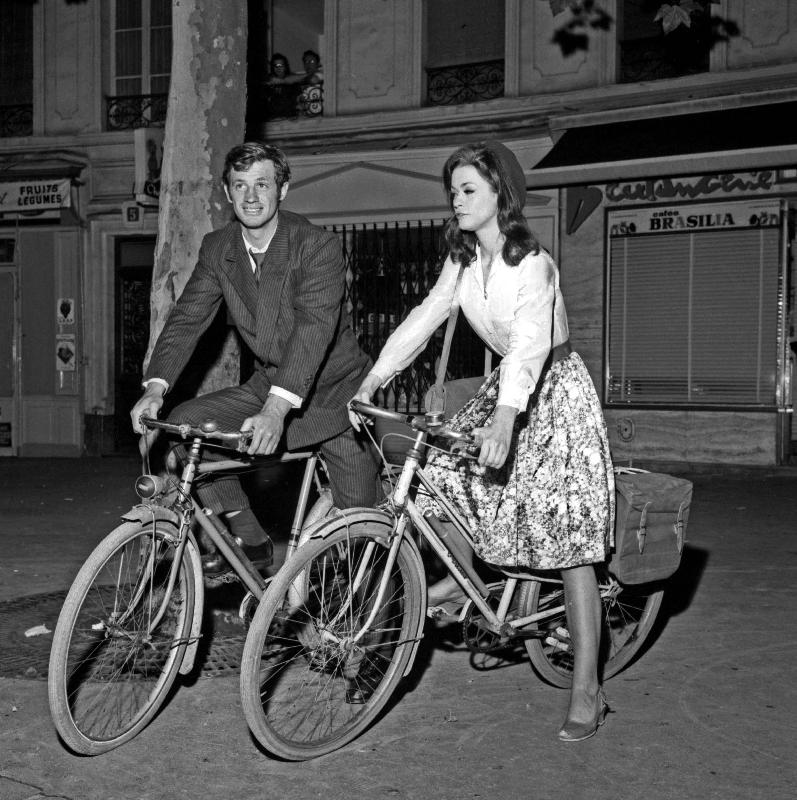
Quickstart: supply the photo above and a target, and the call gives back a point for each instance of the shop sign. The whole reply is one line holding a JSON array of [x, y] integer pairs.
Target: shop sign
[[24, 196], [658, 189], [692, 218]]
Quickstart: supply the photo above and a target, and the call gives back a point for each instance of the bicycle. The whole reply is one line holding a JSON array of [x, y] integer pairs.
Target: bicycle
[[341, 622], [131, 620]]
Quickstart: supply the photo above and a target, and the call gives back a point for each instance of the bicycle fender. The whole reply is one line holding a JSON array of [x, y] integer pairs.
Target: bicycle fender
[[192, 552], [144, 513], [324, 527], [330, 524]]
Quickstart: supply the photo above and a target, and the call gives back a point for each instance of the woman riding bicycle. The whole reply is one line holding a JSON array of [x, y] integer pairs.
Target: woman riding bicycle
[[542, 493]]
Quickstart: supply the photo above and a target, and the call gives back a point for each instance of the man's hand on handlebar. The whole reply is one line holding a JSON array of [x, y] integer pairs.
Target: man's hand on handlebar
[[267, 426], [148, 405]]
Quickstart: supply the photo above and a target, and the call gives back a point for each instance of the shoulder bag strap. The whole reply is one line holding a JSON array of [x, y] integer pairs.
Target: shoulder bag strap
[[452, 321]]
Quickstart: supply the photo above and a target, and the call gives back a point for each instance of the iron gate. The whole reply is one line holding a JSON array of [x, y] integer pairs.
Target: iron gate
[[390, 268]]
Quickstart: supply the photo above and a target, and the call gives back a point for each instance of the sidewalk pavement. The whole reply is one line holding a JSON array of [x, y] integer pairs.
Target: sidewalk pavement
[[708, 711]]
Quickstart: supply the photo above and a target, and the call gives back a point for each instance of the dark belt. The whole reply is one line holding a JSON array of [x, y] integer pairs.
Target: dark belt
[[561, 351]]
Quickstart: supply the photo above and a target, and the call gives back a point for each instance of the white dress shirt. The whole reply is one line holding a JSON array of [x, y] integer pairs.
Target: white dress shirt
[[519, 314]]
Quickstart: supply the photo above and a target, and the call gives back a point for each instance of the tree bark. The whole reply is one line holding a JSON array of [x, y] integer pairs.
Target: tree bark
[[205, 118]]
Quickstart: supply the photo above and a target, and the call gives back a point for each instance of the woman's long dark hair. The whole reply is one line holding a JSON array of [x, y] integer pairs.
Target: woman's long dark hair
[[519, 240]]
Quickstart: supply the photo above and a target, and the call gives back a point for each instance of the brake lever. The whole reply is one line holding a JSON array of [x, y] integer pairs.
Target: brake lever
[[468, 450]]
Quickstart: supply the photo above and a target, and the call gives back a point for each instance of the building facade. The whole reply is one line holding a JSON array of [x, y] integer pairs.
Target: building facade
[[661, 174]]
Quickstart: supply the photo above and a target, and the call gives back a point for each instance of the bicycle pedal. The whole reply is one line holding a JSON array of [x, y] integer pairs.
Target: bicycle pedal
[[559, 640]]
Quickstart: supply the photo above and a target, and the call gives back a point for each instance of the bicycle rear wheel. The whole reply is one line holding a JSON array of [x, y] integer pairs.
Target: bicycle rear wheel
[[309, 685], [628, 614], [120, 638]]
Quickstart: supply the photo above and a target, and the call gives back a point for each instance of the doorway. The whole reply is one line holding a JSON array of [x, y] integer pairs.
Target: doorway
[[9, 363], [134, 263]]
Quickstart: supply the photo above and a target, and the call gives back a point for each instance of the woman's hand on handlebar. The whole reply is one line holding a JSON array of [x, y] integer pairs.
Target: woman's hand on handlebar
[[495, 439], [364, 394]]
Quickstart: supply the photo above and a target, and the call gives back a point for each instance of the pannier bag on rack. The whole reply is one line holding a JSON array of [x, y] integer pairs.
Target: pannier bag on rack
[[650, 524]]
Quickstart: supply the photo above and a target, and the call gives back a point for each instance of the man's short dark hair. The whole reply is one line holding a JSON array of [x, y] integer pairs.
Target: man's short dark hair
[[242, 156]]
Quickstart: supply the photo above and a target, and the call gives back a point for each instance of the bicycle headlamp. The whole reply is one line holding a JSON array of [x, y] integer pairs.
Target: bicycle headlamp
[[147, 486]]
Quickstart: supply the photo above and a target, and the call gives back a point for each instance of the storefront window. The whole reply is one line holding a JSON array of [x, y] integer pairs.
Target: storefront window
[[694, 299]]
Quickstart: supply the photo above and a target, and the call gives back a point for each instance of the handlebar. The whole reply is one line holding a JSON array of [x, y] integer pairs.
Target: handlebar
[[431, 423], [207, 430]]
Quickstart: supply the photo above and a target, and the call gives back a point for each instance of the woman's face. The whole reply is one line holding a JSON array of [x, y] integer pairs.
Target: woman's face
[[279, 68], [473, 201]]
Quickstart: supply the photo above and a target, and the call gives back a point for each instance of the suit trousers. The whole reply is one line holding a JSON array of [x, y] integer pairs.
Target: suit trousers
[[352, 461]]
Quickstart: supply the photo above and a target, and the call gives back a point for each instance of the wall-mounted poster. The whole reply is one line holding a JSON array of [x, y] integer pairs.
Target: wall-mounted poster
[[65, 311], [65, 352]]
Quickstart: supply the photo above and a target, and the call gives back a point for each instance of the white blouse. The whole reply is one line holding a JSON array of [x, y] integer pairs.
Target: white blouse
[[519, 314]]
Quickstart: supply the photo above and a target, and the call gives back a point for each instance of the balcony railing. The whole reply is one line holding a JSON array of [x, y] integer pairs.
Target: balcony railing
[[16, 120], [464, 83], [135, 111], [290, 100]]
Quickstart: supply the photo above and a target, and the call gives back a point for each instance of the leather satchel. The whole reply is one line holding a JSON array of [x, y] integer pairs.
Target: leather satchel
[[650, 525]]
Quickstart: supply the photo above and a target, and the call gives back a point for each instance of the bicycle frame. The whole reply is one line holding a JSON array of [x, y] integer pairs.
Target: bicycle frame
[[190, 510], [407, 511]]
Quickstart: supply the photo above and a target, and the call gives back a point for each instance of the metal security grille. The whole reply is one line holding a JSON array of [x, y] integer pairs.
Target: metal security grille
[[390, 269], [694, 318]]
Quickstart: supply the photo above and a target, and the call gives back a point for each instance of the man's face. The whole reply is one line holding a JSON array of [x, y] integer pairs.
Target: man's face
[[254, 194]]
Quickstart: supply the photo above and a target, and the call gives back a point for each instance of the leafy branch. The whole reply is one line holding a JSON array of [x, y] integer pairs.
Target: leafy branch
[[584, 16]]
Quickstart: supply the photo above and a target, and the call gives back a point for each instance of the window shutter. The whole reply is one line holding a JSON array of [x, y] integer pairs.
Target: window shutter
[[693, 318]]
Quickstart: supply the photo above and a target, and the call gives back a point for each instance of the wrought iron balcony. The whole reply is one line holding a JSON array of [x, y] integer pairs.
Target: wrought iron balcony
[[16, 120], [290, 100], [135, 111], [464, 83]]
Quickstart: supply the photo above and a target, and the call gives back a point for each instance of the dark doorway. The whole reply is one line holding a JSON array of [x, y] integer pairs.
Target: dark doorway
[[134, 261]]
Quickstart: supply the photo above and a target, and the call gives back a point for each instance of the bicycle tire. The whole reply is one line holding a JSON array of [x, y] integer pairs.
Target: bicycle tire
[[108, 674], [627, 619], [305, 691]]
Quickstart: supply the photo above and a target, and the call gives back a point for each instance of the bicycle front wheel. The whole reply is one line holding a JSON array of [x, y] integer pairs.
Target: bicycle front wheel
[[628, 614], [120, 637], [324, 653]]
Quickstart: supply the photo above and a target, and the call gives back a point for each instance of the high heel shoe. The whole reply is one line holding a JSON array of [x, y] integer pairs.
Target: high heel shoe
[[578, 731]]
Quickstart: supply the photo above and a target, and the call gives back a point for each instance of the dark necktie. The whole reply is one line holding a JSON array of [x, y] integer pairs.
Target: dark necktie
[[258, 259]]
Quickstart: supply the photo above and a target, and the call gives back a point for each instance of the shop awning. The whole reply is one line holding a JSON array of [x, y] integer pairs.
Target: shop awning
[[741, 138]]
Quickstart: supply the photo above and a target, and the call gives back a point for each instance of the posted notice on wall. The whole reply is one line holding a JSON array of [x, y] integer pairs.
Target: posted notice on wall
[[65, 357]]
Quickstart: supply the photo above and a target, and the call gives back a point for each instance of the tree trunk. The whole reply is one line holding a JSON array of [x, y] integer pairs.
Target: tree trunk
[[205, 118]]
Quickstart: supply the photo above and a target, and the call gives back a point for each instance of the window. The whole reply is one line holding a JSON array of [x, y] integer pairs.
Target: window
[[693, 314], [142, 47], [7, 251], [464, 50], [285, 54], [142, 55], [647, 52], [16, 68]]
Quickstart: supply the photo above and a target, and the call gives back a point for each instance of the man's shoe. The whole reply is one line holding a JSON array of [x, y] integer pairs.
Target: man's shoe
[[261, 555]]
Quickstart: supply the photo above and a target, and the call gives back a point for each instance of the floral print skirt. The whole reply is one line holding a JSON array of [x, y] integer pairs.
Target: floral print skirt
[[551, 506]]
